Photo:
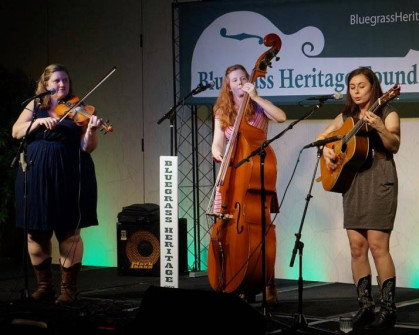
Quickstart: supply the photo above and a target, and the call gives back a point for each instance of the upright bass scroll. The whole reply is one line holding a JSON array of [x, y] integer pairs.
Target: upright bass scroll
[[234, 252]]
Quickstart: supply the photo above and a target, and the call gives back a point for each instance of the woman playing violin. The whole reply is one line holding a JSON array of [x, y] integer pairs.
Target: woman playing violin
[[235, 86], [61, 184]]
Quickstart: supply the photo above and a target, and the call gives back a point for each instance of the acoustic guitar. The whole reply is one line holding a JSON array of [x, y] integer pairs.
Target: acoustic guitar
[[352, 149]]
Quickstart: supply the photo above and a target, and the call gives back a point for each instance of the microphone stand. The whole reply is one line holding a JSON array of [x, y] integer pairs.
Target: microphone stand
[[299, 319], [171, 115], [21, 152], [300, 322], [262, 153]]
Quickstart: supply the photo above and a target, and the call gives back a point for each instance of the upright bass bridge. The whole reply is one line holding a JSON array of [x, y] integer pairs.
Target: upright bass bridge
[[222, 216]]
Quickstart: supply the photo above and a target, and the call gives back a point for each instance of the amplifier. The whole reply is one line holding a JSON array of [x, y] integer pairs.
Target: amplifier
[[139, 248]]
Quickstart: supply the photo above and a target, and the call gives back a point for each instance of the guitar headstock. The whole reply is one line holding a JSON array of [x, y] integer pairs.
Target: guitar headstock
[[390, 94]]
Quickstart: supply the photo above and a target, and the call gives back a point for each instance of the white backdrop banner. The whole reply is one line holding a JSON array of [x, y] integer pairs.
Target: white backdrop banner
[[321, 43]]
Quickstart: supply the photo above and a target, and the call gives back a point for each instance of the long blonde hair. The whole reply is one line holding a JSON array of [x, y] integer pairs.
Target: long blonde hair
[[43, 80], [224, 106]]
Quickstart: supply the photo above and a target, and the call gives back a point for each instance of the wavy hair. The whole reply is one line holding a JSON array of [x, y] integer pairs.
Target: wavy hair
[[224, 105], [43, 79], [351, 108]]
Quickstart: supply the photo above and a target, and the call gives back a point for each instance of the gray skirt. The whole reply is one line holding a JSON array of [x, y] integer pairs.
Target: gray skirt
[[371, 201]]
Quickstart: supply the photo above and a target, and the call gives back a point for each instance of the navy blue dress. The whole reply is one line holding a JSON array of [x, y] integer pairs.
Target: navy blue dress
[[61, 180]]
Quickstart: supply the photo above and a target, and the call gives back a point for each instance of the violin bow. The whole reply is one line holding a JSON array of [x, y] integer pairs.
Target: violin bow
[[88, 93]]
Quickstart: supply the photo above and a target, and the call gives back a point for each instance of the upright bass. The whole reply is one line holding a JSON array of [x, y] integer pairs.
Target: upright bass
[[235, 249]]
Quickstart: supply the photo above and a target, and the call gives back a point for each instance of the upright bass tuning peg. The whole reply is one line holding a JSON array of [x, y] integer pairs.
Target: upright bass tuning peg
[[276, 59]]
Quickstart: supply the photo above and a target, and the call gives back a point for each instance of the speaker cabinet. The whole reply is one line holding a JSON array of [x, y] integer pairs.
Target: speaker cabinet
[[185, 311], [139, 248]]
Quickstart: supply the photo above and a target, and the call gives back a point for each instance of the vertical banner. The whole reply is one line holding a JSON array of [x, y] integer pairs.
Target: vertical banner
[[169, 235]]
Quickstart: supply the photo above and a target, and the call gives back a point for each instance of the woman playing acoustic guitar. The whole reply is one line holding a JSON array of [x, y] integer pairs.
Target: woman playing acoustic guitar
[[370, 201]]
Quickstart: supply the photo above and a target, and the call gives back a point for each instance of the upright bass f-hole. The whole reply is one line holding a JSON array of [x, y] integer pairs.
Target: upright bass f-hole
[[239, 230], [234, 251]]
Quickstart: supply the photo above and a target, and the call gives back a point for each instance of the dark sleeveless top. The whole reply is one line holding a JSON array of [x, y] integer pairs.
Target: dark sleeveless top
[[371, 201], [61, 180]]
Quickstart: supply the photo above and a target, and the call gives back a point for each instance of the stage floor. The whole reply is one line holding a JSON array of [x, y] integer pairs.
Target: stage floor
[[111, 303]]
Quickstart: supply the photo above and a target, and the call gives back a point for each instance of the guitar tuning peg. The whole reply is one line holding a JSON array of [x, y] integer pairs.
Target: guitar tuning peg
[[277, 58]]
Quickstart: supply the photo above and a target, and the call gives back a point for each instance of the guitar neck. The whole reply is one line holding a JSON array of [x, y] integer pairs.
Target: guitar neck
[[373, 109], [358, 125]]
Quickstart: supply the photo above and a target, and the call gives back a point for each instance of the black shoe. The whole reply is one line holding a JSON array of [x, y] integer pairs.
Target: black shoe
[[250, 298], [384, 319], [363, 317]]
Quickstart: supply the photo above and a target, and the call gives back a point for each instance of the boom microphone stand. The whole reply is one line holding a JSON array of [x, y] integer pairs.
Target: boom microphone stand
[[262, 153], [21, 152], [300, 321], [171, 115]]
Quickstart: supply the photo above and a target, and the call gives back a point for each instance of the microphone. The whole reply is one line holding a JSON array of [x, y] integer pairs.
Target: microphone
[[40, 95], [334, 96], [48, 92], [201, 87], [323, 142]]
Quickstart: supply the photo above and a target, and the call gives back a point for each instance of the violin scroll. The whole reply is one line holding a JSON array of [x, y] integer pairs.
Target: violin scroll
[[106, 127]]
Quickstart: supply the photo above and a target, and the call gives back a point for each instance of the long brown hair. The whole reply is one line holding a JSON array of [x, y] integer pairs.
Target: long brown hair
[[224, 105], [43, 79], [351, 108]]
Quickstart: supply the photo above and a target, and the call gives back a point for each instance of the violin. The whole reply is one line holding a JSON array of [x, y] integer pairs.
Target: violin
[[80, 114]]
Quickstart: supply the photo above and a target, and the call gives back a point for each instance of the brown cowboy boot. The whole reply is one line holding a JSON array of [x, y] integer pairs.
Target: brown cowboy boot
[[43, 273], [68, 284], [271, 294], [365, 314]]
